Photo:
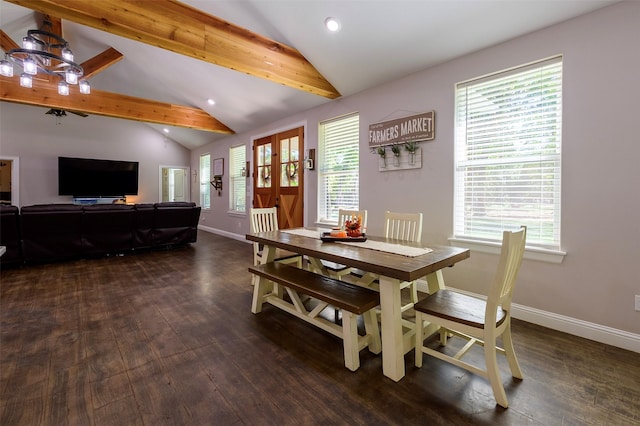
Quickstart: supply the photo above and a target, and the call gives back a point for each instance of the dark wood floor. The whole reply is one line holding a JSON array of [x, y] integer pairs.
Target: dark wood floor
[[167, 338]]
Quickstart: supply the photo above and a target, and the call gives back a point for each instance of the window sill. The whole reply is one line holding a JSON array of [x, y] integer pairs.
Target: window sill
[[236, 213], [542, 255]]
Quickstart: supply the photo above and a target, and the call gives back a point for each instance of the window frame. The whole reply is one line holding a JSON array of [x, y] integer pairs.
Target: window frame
[[236, 177], [204, 188], [338, 137], [475, 161]]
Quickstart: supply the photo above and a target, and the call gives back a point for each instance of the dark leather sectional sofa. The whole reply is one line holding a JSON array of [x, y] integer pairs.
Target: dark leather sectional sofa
[[54, 232]]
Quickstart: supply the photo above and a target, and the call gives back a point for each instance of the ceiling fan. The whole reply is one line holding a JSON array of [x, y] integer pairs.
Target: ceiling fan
[[63, 113]]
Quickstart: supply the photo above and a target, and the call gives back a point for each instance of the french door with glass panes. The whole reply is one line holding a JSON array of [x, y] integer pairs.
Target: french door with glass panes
[[278, 175]]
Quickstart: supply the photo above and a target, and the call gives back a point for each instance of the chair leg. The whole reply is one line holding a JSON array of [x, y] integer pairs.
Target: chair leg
[[414, 292], [373, 330], [493, 374], [511, 353], [419, 339], [444, 335]]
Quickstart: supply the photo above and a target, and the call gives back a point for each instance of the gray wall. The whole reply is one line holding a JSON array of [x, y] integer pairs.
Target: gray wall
[[28, 133], [598, 278]]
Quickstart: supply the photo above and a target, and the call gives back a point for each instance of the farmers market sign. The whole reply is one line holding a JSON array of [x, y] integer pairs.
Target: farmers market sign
[[416, 128]]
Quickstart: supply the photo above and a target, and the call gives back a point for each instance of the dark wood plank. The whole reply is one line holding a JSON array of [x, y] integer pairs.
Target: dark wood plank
[[69, 354], [377, 262], [340, 294], [458, 307]]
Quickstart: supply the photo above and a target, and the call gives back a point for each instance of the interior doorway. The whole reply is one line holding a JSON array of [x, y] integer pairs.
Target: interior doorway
[[278, 178], [174, 183], [9, 181]]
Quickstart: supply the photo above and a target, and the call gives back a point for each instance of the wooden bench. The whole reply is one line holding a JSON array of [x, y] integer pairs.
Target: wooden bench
[[351, 299]]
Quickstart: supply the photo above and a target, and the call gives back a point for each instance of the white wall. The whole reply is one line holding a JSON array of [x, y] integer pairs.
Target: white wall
[[28, 133], [598, 279]]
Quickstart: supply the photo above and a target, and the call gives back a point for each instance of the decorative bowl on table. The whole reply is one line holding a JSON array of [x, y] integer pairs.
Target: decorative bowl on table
[[327, 237], [352, 232]]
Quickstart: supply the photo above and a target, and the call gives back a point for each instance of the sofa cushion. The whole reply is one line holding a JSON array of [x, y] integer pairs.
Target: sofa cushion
[[10, 235], [107, 228], [51, 232]]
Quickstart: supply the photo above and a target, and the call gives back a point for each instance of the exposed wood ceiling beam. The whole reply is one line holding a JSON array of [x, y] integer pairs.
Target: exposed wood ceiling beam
[[111, 105], [101, 61], [180, 28], [6, 43], [45, 94]]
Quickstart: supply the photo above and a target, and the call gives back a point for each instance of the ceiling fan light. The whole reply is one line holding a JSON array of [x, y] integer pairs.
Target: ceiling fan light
[[63, 88], [29, 66], [6, 68], [67, 53], [25, 80], [85, 88], [71, 77], [28, 42]]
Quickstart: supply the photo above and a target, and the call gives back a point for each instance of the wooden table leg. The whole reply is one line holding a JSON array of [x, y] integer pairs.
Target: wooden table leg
[[391, 329]]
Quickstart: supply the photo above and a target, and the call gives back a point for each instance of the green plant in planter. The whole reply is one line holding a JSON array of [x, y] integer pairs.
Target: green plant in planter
[[395, 148], [411, 147], [382, 152]]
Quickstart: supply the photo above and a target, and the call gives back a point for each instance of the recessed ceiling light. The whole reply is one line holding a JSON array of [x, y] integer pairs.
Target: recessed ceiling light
[[211, 101], [332, 24], [165, 130]]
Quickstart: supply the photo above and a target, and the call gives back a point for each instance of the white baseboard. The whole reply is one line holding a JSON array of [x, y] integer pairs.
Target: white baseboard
[[588, 330], [223, 233]]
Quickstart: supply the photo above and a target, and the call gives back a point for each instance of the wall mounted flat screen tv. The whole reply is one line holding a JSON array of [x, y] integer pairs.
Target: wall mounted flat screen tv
[[85, 177]]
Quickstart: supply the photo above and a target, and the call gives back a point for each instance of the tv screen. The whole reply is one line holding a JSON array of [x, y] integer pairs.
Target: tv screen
[[85, 177]]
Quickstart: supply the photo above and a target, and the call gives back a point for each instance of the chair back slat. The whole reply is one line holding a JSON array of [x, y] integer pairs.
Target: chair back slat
[[403, 226], [344, 215], [264, 219], [501, 292]]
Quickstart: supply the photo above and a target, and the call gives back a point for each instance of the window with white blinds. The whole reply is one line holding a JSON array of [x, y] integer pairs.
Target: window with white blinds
[[237, 182], [205, 179], [338, 164], [507, 155]]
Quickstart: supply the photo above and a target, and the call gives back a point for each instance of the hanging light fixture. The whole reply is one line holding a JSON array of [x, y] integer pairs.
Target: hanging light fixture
[[48, 53]]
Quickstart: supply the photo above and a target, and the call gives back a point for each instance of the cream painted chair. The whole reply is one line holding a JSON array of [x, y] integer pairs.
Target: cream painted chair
[[405, 227], [264, 220], [479, 321], [337, 270]]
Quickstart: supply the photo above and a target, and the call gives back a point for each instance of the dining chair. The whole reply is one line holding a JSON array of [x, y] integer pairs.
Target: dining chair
[[338, 270], [405, 227], [476, 320], [264, 220]]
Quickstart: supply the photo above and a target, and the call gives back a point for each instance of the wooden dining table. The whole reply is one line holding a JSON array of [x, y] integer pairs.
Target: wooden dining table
[[390, 269]]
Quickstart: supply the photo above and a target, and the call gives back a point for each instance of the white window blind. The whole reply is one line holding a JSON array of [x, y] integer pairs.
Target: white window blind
[[205, 179], [507, 158], [338, 164], [237, 182]]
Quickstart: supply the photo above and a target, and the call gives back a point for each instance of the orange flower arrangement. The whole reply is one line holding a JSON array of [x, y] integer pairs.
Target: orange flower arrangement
[[353, 227]]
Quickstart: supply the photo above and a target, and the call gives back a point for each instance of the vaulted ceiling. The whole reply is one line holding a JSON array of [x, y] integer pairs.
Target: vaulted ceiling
[[260, 60]]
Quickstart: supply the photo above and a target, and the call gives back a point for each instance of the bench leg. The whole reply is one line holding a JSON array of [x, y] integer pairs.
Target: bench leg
[[350, 340], [373, 331]]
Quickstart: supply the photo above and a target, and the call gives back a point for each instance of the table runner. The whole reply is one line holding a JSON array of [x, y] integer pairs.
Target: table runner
[[369, 244]]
